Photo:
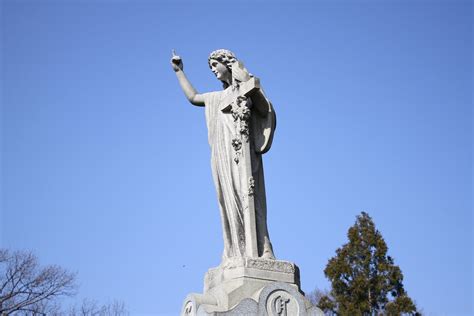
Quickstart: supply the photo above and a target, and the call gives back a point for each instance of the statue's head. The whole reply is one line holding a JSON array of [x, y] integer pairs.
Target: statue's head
[[220, 61]]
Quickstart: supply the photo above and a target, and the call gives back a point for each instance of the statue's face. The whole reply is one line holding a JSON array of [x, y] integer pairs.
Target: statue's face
[[220, 70]]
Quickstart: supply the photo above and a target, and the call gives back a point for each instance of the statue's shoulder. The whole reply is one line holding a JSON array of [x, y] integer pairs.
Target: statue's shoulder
[[213, 97], [213, 93]]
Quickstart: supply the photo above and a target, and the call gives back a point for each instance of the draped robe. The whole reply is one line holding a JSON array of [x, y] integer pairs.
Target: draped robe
[[232, 186]]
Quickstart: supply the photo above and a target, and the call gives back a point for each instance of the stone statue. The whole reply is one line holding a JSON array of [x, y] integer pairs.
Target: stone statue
[[241, 122]]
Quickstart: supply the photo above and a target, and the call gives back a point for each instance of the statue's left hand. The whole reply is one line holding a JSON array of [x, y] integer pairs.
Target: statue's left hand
[[240, 73]]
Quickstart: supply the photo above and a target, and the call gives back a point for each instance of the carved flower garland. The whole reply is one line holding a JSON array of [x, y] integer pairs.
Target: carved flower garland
[[241, 113]]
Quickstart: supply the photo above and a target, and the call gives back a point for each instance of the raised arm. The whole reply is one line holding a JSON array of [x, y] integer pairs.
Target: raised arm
[[191, 94]]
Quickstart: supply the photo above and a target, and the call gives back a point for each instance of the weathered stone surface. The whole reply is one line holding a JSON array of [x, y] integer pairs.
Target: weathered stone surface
[[246, 307], [238, 286], [282, 299], [275, 299], [251, 268]]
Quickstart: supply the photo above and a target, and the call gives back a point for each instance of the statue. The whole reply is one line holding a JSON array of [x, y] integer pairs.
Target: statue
[[241, 122]]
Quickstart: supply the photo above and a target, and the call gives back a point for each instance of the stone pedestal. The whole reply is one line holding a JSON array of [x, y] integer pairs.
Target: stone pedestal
[[250, 286]]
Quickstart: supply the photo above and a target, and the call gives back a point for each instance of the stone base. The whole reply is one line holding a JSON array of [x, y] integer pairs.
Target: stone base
[[250, 286]]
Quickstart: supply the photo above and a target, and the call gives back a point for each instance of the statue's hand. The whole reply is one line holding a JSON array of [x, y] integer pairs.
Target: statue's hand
[[240, 73], [176, 62]]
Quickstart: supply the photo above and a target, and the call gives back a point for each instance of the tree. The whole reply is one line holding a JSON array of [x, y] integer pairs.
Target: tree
[[92, 308], [364, 280], [27, 288], [322, 299]]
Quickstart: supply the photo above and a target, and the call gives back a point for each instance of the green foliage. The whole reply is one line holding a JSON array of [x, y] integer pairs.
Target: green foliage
[[365, 281]]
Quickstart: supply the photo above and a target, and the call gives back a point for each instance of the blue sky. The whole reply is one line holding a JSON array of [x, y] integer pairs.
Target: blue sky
[[105, 166]]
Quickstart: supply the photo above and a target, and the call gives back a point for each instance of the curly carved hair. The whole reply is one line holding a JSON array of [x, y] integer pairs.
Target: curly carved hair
[[223, 56]]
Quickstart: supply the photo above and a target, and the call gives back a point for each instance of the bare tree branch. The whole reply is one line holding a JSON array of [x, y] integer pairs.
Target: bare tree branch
[[92, 308], [28, 288]]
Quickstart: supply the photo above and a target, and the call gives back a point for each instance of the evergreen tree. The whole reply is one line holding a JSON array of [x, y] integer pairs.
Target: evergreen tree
[[365, 281]]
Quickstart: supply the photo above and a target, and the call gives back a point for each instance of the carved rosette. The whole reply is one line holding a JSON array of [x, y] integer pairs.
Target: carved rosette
[[240, 110]]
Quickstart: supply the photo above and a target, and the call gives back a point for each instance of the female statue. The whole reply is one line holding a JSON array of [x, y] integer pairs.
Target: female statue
[[239, 132]]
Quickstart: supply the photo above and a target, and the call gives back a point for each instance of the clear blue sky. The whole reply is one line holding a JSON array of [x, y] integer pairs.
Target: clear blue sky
[[105, 166]]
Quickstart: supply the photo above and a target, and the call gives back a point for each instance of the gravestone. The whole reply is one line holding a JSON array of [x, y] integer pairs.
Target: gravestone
[[241, 122]]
